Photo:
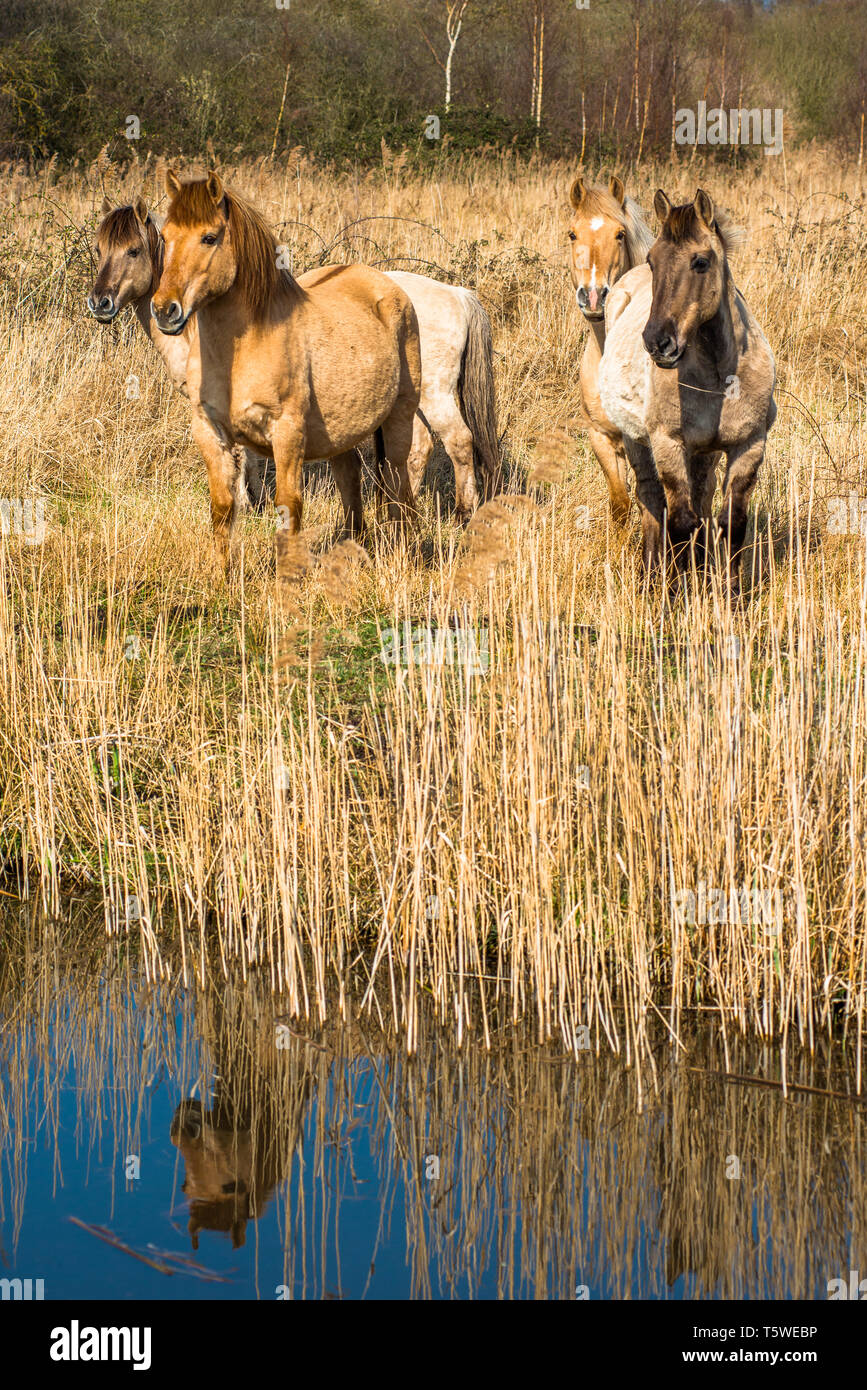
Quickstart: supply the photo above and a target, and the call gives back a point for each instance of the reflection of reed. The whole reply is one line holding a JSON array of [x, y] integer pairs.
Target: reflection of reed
[[552, 1173]]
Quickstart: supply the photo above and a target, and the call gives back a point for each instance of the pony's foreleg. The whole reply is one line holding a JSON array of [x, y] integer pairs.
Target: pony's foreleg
[[651, 500], [347, 475], [704, 481], [289, 444], [224, 470], [740, 479], [259, 483], [613, 461], [675, 469]]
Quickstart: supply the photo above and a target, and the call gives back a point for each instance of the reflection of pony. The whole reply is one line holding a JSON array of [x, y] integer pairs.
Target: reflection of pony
[[236, 1150], [608, 236]]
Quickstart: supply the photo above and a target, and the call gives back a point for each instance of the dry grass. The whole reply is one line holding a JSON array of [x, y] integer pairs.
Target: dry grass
[[509, 843]]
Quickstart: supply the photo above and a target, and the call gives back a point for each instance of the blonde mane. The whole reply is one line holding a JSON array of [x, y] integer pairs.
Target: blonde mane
[[597, 201], [258, 279]]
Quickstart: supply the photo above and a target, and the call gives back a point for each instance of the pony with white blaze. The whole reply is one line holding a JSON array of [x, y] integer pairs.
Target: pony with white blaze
[[608, 236]]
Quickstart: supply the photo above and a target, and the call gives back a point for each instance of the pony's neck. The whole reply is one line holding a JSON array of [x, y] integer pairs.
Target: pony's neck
[[597, 331], [173, 351], [717, 335]]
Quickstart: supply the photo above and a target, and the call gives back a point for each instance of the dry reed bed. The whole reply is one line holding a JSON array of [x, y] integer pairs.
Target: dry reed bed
[[509, 843]]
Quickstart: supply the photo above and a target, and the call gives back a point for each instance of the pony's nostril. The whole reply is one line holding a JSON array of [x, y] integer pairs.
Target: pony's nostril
[[174, 311]]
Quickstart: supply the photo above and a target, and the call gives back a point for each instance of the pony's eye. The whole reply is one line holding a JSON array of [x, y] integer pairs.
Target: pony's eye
[[133, 252], [572, 236], [700, 263], [621, 236], [209, 239]]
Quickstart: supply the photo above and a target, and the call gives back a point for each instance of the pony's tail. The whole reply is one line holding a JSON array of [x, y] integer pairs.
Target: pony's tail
[[477, 396]]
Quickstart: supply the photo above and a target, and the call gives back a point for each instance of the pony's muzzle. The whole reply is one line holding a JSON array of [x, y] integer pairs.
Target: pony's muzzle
[[103, 308], [662, 344], [169, 318], [591, 302]]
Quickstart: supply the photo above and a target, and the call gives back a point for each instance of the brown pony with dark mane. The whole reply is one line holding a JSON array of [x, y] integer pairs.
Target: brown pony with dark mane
[[291, 371], [686, 373]]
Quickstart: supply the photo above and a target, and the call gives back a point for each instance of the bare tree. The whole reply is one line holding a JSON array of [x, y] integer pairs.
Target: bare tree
[[455, 11]]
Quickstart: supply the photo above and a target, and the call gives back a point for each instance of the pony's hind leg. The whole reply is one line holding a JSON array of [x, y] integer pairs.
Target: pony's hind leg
[[396, 433], [457, 441], [347, 475], [419, 454]]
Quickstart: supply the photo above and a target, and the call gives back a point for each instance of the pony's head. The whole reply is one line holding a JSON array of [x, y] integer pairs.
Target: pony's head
[[607, 236], [214, 240], [690, 273], [128, 256]]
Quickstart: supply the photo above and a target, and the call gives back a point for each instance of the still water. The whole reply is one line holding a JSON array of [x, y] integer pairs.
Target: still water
[[166, 1143]]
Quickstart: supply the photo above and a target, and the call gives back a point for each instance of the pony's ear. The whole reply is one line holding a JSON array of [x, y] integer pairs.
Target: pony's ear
[[577, 192], [140, 208], [616, 189], [661, 205], [106, 208], [704, 207], [214, 185], [173, 183]]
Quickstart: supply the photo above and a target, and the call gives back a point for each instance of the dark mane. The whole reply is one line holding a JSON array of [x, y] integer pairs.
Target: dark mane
[[683, 224], [122, 228], [259, 279]]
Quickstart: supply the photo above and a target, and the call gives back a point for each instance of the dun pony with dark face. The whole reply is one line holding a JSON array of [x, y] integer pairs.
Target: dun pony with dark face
[[607, 237], [294, 372], [687, 372]]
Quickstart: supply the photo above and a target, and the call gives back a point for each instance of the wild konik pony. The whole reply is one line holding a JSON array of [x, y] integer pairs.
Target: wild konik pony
[[294, 372], [608, 236], [686, 372], [457, 390], [129, 251]]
